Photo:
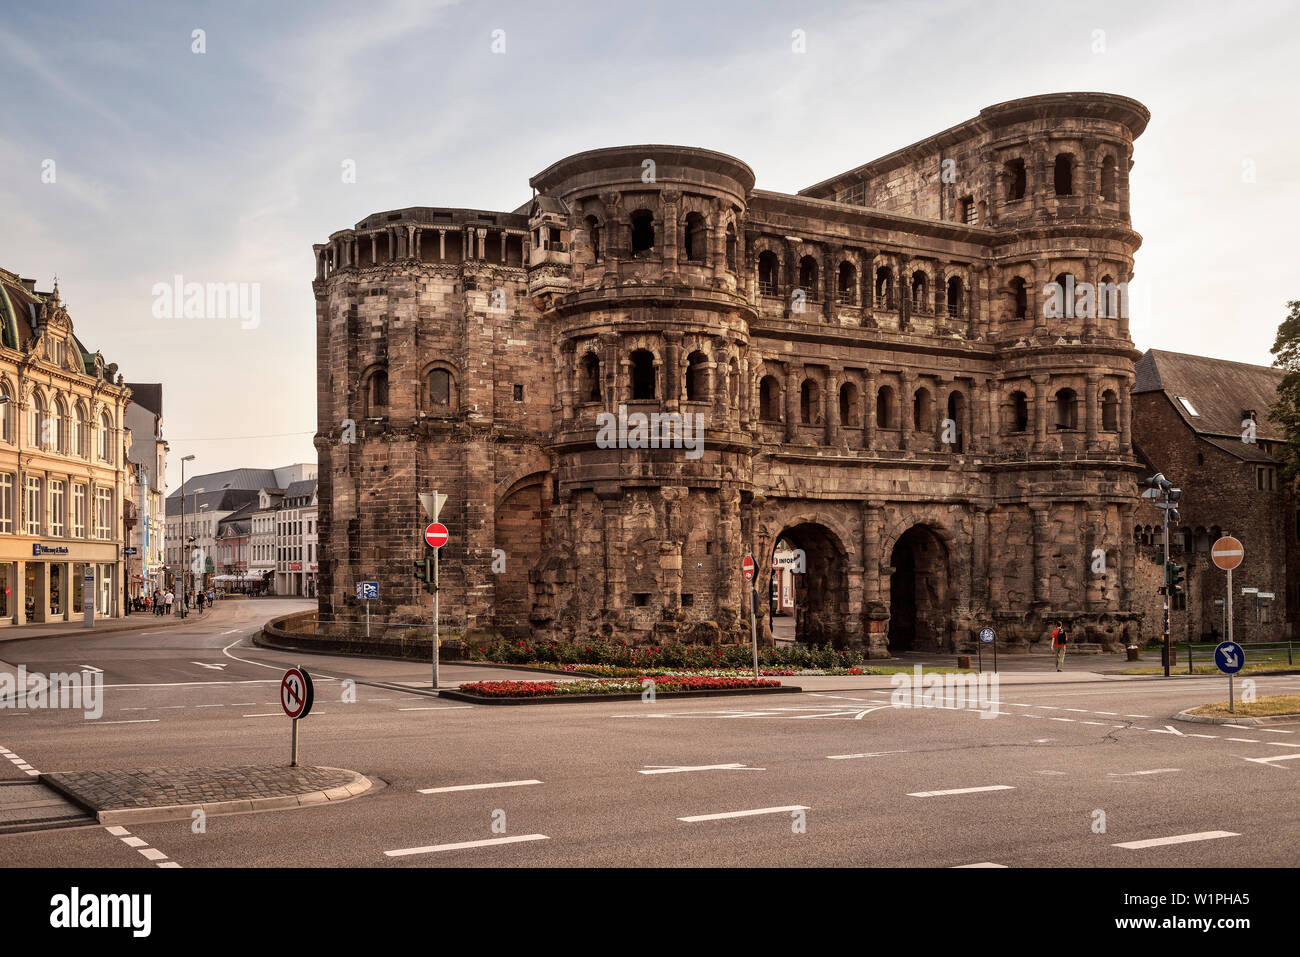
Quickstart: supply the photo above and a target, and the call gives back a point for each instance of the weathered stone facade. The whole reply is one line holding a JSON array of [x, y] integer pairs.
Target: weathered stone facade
[[881, 382]]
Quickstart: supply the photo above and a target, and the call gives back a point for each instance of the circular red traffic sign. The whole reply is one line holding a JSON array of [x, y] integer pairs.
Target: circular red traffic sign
[[747, 566], [436, 535], [1227, 553], [296, 693]]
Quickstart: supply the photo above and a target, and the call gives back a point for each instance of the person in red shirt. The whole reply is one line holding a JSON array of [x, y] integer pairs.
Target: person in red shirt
[[1059, 638]]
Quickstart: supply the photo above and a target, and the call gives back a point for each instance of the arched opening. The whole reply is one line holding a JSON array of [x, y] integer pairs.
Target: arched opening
[[643, 374], [377, 394], [697, 377], [769, 399], [920, 297], [1067, 409], [951, 434], [1019, 412], [849, 405], [1016, 179], [695, 237], [732, 247], [1108, 298], [968, 212], [519, 523], [1020, 293], [1109, 411], [643, 231], [1063, 174], [767, 273], [590, 388], [819, 594], [922, 409], [884, 288], [885, 418], [847, 283], [441, 391], [808, 276], [954, 296], [1108, 179], [809, 403], [593, 237], [918, 592]]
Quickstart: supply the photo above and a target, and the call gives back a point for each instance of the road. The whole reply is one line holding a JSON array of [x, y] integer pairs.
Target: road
[[1066, 774]]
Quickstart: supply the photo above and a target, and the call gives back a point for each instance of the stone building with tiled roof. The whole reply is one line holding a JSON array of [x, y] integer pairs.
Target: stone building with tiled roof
[[1204, 423]]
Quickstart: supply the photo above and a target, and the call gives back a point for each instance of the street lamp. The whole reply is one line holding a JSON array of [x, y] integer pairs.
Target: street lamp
[[184, 543], [1159, 487]]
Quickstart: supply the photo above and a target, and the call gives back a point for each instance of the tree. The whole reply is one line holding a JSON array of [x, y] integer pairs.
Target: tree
[[1285, 410]]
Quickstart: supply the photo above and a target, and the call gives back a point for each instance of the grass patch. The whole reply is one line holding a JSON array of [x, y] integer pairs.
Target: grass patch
[[1263, 708], [1181, 669]]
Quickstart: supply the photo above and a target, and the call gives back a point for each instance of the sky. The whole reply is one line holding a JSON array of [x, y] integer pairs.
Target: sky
[[135, 150]]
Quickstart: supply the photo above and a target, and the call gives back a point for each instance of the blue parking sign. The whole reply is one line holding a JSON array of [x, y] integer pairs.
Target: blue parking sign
[[1229, 657], [367, 591]]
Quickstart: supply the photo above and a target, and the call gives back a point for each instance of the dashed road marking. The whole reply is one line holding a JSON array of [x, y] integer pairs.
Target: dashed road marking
[[141, 846], [1125, 774], [683, 769], [868, 754], [784, 809], [958, 867], [435, 848], [1176, 839], [479, 787], [991, 787]]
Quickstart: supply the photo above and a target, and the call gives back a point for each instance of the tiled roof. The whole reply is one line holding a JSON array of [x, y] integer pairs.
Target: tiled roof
[[1218, 390]]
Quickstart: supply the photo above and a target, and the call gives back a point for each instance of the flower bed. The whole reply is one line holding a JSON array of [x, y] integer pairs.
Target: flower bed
[[537, 689], [621, 654], [618, 671]]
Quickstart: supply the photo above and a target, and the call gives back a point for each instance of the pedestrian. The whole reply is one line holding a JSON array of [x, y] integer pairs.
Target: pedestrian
[[199, 603], [1059, 637], [169, 600]]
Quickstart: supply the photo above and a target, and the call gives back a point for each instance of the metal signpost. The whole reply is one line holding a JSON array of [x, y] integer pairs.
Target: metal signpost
[[88, 597], [1230, 659], [1227, 554], [296, 697], [367, 592], [432, 502], [987, 637], [747, 569]]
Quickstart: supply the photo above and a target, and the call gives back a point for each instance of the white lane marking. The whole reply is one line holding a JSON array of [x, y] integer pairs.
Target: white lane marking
[[386, 699], [168, 864], [141, 846], [153, 853], [785, 809], [1167, 729], [217, 705], [1284, 744], [1125, 774], [274, 714], [1048, 707], [958, 867], [1062, 719], [133, 721], [91, 669], [204, 664], [1269, 761], [1191, 735], [479, 787], [1176, 839], [1092, 722], [1080, 710], [1240, 727], [234, 630], [1110, 714], [137, 842], [435, 848], [991, 787], [867, 754], [117, 831], [445, 707], [262, 664], [1274, 731], [1137, 715], [682, 769], [1244, 740], [1049, 772]]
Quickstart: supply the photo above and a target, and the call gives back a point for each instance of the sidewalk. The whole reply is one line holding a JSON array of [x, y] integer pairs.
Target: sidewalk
[[61, 629]]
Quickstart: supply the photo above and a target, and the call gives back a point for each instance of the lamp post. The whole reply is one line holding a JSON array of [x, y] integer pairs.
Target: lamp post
[[184, 540], [1159, 487]]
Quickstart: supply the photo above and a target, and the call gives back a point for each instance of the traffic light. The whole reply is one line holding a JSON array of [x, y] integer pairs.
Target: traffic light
[[423, 570], [1174, 577]]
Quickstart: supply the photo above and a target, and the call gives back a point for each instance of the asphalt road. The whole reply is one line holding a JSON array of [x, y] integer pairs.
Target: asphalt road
[[832, 776]]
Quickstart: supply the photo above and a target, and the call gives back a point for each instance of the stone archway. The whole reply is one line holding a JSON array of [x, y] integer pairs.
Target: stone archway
[[920, 592], [820, 592]]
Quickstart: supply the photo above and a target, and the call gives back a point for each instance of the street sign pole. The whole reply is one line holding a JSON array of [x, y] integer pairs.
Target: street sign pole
[[1228, 606], [748, 569], [367, 617], [435, 618], [1167, 586]]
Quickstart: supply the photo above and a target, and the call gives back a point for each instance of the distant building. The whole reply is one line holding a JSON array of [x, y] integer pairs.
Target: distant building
[[295, 572], [63, 467], [147, 462], [1204, 423], [234, 536], [261, 561]]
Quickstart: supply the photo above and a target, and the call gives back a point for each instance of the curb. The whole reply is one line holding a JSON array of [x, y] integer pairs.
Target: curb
[[1248, 722], [83, 632], [359, 785], [635, 696]]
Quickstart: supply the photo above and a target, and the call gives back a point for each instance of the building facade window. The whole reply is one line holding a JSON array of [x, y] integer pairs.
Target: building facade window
[[79, 511], [32, 504], [105, 438], [57, 503], [6, 503], [103, 512]]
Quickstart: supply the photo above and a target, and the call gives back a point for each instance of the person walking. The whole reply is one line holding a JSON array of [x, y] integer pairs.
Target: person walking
[[1059, 638], [170, 600]]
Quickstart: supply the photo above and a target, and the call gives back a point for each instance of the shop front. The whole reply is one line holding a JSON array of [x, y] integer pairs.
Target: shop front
[[47, 582]]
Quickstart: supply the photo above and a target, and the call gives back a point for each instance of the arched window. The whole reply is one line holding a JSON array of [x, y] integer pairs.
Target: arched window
[[1109, 298], [954, 296], [7, 411], [36, 417], [769, 399], [884, 288], [1063, 174], [968, 212], [1108, 192], [590, 389], [920, 299], [643, 374], [885, 408], [441, 390], [809, 411], [643, 231], [697, 377], [105, 438], [1021, 293], [81, 432], [695, 236], [922, 409], [60, 426], [767, 273], [1109, 411], [1016, 179], [849, 405], [808, 276], [1019, 412], [956, 409], [846, 287], [1067, 409], [732, 247], [377, 394], [593, 237], [1202, 539]]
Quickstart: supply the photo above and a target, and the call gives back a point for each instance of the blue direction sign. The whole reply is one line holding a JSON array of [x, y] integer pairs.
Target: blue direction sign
[[130, 551], [1229, 657], [368, 591], [987, 635]]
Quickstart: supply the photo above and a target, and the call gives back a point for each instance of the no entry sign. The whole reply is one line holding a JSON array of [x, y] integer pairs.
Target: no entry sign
[[296, 693], [436, 534], [747, 568], [1227, 553]]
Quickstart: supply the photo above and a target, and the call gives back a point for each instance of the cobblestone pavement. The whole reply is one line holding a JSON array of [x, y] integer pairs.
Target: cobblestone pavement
[[166, 787]]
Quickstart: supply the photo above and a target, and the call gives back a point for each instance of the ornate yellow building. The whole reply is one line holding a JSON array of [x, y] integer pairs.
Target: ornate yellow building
[[62, 464]]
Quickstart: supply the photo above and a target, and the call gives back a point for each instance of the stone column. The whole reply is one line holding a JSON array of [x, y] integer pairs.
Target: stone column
[[869, 410], [832, 406], [903, 290], [792, 402], [1040, 411], [967, 433], [569, 375], [1092, 415], [867, 289], [830, 283], [1094, 538], [612, 507], [746, 398], [1125, 553], [1125, 416], [906, 403], [674, 383], [993, 424], [1042, 552], [481, 249], [442, 245], [1093, 266], [791, 272], [980, 558]]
